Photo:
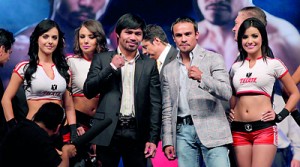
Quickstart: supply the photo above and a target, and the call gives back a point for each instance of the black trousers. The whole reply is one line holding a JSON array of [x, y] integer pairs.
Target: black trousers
[[123, 144]]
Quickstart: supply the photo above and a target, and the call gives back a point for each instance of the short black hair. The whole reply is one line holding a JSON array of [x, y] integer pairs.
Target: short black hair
[[256, 12], [6, 39], [51, 115], [130, 21], [184, 19], [155, 31]]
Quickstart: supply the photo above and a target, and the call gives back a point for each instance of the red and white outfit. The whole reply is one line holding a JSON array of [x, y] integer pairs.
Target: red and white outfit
[[42, 87], [79, 68], [258, 80]]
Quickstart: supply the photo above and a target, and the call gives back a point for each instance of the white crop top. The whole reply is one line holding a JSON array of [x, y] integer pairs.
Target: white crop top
[[42, 87], [259, 79], [79, 68]]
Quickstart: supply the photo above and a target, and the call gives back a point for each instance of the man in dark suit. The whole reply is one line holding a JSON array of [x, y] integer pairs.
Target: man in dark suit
[[6, 42], [129, 87], [155, 44]]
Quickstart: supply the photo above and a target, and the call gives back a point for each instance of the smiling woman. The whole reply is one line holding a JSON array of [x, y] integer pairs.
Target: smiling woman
[[45, 76], [253, 77], [89, 41]]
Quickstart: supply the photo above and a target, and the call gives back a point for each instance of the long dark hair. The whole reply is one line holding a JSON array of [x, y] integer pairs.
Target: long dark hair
[[254, 22], [58, 56], [96, 28]]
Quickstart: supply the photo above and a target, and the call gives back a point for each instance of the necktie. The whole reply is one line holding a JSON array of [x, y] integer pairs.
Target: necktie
[[158, 63]]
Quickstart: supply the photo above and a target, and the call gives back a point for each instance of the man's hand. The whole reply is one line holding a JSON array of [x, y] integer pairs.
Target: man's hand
[[80, 131], [150, 150], [194, 73], [170, 152], [295, 163], [69, 150], [118, 61]]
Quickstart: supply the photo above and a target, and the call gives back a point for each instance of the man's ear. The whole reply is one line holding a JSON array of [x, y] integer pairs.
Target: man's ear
[[197, 34], [156, 40]]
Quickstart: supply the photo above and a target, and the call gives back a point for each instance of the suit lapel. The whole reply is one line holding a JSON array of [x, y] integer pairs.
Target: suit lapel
[[199, 55], [118, 73], [170, 56], [139, 66], [176, 74], [197, 61]]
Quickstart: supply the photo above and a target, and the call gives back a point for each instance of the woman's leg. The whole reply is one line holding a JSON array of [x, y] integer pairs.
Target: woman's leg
[[263, 155], [243, 155]]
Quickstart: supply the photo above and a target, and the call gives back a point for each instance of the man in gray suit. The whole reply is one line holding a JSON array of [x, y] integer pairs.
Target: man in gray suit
[[129, 87], [193, 118]]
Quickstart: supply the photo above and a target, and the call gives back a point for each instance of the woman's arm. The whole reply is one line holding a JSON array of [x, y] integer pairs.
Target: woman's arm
[[11, 90], [292, 90], [296, 75], [69, 107]]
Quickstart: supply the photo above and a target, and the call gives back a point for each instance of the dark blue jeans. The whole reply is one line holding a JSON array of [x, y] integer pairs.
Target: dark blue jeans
[[283, 157]]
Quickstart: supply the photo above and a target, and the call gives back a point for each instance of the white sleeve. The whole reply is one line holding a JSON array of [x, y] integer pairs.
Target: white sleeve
[[279, 68], [21, 68]]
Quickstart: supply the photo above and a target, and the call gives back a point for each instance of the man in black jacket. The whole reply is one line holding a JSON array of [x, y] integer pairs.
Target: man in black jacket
[[129, 87], [29, 143]]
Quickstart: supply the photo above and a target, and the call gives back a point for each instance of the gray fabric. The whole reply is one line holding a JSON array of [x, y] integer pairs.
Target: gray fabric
[[204, 99]]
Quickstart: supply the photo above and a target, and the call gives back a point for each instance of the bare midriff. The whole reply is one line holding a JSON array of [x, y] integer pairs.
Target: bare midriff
[[251, 107], [86, 106], [34, 105]]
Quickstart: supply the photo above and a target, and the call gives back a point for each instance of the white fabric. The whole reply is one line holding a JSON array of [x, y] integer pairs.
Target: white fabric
[[259, 79], [162, 56], [128, 70], [288, 130], [42, 87], [79, 67]]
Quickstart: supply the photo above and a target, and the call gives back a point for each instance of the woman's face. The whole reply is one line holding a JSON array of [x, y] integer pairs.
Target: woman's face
[[87, 41], [48, 42], [252, 42]]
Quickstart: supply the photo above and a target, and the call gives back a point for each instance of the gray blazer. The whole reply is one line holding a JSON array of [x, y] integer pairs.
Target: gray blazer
[[170, 57], [204, 100]]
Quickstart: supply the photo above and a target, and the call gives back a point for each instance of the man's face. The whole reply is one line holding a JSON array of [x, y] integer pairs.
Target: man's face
[[238, 21], [220, 12], [130, 39], [4, 55], [185, 37], [150, 49], [77, 11]]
